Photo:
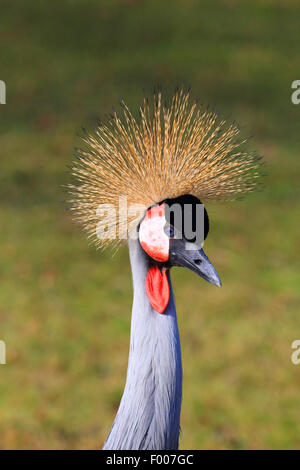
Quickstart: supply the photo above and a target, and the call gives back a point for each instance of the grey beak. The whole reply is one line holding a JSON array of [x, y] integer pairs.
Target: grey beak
[[195, 260]]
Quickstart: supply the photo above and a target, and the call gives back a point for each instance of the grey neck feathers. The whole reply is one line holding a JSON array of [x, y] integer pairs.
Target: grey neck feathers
[[149, 412]]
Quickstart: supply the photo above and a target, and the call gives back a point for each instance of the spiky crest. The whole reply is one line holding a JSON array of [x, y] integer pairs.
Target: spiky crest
[[171, 151]]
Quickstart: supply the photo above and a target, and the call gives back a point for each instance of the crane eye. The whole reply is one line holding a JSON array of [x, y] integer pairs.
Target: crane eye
[[169, 230]]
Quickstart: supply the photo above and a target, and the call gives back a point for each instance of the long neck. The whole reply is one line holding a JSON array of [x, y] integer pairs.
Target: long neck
[[149, 412]]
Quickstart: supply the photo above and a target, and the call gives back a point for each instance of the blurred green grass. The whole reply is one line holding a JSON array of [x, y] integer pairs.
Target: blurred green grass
[[64, 309]]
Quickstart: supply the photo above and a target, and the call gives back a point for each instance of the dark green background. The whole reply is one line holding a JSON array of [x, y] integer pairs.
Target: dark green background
[[64, 308]]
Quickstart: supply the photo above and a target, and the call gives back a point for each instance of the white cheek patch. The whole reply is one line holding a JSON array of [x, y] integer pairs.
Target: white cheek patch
[[152, 236]]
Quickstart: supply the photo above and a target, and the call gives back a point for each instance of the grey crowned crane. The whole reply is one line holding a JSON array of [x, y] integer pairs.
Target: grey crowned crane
[[129, 176]]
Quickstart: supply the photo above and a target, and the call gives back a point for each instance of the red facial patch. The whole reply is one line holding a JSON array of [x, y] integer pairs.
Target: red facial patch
[[152, 236], [157, 288]]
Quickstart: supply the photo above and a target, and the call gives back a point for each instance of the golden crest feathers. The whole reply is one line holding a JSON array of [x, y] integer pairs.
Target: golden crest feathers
[[171, 151]]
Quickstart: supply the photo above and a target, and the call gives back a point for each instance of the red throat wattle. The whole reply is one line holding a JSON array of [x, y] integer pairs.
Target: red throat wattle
[[157, 288]]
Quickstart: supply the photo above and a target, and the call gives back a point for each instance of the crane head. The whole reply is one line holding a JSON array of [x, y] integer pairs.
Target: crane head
[[172, 233]]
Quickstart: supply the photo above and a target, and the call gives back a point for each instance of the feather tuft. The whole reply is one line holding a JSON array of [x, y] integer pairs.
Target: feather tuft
[[170, 151]]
